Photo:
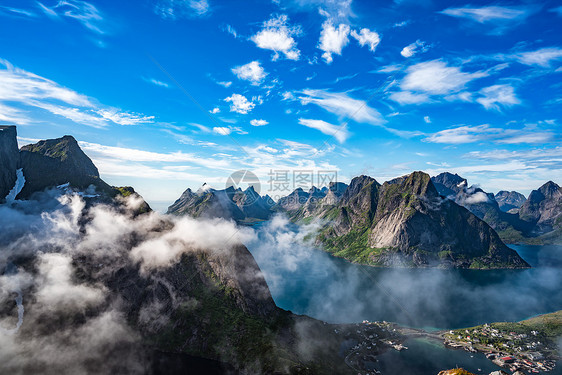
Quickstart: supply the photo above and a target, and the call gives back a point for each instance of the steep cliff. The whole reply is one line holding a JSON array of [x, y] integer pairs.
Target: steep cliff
[[405, 222], [9, 160], [56, 162]]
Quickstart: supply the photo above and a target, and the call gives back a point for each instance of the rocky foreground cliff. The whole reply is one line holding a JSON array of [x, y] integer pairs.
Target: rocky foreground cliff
[[93, 282]]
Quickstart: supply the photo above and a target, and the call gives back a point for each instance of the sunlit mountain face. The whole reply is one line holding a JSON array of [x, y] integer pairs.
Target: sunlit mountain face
[[280, 187]]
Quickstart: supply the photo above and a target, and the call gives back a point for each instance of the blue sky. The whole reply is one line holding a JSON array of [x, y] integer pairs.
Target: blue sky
[[168, 94]]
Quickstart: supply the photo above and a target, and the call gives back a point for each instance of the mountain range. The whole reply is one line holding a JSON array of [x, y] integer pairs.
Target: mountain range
[[207, 309], [535, 220]]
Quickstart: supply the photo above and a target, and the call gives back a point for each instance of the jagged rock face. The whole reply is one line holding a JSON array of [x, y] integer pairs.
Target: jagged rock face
[[293, 201], [449, 184], [207, 203], [406, 222], [9, 159], [413, 220], [480, 203], [543, 208], [55, 162], [508, 200], [229, 203]]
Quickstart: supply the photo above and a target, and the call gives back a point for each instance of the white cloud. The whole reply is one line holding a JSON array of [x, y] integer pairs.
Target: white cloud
[[156, 82], [432, 78], [229, 29], [16, 11], [407, 97], [427, 119], [437, 78], [338, 132], [239, 104], [487, 13], [258, 122], [342, 105], [252, 72], [496, 95], [480, 133], [102, 154], [367, 37], [215, 110], [20, 86], [332, 40], [12, 115], [124, 118], [277, 35], [542, 57], [173, 9], [411, 49], [224, 83], [222, 130], [85, 13]]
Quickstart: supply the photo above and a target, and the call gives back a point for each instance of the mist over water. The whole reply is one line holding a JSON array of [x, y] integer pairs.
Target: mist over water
[[309, 281]]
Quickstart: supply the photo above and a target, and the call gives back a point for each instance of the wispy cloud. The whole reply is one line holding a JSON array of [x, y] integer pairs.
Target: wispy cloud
[[432, 79], [156, 82], [18, 12], [31, 90], [278, 36], [339, 132], [500, 17], [342, 105], [411, 49], [481, 133], [496, 95], [542, 57], [85, 13], [173, 9], [231, 30], [252, 72]]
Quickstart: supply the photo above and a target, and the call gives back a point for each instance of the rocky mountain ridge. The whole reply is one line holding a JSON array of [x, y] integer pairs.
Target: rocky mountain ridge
[[535, 220], [49, 164]]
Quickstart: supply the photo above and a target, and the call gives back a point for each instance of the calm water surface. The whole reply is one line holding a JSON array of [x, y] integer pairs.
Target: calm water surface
[[309, 281]]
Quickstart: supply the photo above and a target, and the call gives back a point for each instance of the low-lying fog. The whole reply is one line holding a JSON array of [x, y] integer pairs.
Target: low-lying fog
[[308, 281]]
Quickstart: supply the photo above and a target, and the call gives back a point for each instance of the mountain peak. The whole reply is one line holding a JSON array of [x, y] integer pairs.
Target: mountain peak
[[54, 162], [549, 189]]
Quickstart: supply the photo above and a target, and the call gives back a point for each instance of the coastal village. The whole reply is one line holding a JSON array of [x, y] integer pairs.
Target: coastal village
[[366, 341], [511, 346]]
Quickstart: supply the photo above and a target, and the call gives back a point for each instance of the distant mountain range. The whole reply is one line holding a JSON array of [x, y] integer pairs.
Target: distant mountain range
[[407, 227], [536, 220]]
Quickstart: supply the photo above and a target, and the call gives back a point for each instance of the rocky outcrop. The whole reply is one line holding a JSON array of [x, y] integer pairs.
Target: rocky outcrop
[[508, 200], [294, 201], [543, 208], [405, 222], [9, 160], [448, 184], [230, 203], [56, 162], [484, 205]]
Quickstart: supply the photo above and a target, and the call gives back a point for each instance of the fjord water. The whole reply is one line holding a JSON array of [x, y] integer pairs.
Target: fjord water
[[309, 281]]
